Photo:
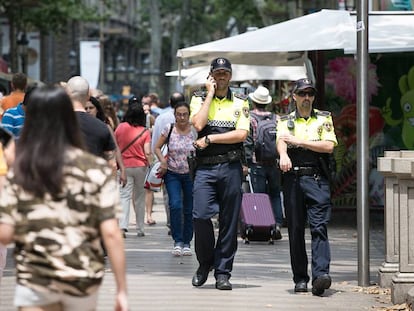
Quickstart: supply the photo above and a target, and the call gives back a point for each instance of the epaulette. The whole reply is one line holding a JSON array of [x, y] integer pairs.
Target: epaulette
[[202, 94], [241, 96], [322, 113], [286, 117]]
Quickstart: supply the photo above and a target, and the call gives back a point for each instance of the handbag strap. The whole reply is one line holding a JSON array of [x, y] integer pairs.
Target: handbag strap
[[167, 140], [133, 141], [169, 133]]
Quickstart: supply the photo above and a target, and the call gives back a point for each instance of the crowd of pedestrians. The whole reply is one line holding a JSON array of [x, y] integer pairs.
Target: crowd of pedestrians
[[76, 157]]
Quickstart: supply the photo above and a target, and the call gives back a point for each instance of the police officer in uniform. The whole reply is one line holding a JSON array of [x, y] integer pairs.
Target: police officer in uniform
[[221, 119], [305, 138]]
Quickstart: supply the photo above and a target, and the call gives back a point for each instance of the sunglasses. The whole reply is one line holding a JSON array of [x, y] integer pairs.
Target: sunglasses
[[304, 93]]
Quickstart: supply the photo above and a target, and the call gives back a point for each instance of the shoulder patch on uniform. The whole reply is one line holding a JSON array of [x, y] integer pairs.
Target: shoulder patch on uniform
[[328, 126], [200, 94], [285, 117], [246, 111], [322, 113], [240, 96]]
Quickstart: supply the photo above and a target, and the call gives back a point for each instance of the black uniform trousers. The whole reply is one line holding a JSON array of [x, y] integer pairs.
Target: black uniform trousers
[[307, 198], [217, 189]]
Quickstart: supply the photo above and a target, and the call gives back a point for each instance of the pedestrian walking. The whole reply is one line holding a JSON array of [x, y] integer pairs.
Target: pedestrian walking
[[57, 203], [261, 155], [149, 123], [95, 133], [18, 85], [221, 119], [94, 108], [134, 140], [305, 138], [13, 118], [174, 167], [7, 155], [161, 121], [109, 109]]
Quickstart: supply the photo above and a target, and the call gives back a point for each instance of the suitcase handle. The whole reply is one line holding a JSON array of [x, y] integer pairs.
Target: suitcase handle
[[248, 177]]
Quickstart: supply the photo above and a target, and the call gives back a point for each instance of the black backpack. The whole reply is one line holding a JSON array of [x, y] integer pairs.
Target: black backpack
[[265, 140]]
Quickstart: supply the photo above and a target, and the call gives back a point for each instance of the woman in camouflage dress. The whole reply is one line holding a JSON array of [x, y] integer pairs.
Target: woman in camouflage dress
[[57, 203]]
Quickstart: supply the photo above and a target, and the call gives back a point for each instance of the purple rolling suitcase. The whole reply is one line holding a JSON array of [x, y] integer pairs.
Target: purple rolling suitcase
[[257, 221]]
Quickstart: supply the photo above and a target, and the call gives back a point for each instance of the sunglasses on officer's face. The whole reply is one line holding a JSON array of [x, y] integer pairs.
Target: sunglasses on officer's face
[[304, 93]]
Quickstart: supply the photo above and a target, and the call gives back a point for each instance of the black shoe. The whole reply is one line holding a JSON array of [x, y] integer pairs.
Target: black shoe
[[321, 283], [223, 282], [301, 287], [278, 234], [200, 277]]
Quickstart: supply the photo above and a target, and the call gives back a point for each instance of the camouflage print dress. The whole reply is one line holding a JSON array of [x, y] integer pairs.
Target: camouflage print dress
[[57, 242]]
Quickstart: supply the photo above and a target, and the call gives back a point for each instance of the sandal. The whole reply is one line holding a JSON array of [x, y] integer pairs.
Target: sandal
[[151, 222]]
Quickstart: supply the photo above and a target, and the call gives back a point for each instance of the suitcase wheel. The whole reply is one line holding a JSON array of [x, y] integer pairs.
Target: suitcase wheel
[[248, 232], [272, 235]]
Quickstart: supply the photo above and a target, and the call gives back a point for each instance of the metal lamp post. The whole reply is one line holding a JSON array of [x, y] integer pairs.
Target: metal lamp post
[[73, 62]]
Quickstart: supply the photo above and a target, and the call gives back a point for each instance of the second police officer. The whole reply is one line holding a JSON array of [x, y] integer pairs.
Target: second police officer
[[305, 138]]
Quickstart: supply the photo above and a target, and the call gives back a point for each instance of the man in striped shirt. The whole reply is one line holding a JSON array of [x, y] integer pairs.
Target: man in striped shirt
[[13, 118]]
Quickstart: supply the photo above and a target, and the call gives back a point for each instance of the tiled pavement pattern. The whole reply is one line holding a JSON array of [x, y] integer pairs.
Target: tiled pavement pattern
[[261, 276]]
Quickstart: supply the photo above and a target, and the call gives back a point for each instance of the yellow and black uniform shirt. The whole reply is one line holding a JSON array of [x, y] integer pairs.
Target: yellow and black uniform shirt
[[318, 127], [225, 114]]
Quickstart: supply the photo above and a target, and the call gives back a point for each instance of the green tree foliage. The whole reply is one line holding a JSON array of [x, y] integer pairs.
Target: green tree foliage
[[48, 15], [45, 16], [189, 22]]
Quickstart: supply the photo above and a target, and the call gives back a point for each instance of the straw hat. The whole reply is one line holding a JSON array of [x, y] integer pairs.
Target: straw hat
[[261, 96]]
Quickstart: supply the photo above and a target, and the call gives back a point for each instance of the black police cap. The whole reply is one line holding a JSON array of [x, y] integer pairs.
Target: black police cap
[[133, 100], [220, 63], [302, 84]]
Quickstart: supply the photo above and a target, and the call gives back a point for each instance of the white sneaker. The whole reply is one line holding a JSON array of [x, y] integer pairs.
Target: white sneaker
[[177, 251], [187, 251]]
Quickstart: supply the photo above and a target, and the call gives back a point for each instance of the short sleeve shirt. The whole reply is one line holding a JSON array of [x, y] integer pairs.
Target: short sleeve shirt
[[318, 127], [13, 120], [58, 241], [225, 114], [134, 156], [96, 134], [179, 147], [11, 100]]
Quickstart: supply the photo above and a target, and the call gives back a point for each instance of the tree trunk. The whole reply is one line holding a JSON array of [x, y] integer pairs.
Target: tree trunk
[[175, 40], [14, 57], [156, 46]]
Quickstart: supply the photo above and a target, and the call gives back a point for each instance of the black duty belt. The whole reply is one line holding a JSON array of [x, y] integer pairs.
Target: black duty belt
[[267, 163], [305, 171], [231, 156]]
